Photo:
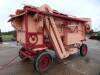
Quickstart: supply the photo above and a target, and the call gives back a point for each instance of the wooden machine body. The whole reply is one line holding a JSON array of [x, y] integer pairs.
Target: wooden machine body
[[32, 34]]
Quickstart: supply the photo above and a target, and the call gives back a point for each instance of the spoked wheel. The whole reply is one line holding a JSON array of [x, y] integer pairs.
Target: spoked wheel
[[21, 55], [42, 62], [83, 50]]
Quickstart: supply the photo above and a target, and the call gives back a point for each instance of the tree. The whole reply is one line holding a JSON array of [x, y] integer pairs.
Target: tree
[[0, 37]]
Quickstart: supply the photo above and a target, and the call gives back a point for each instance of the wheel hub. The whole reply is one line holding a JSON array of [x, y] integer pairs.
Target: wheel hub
[[84, 51], [44, 62]]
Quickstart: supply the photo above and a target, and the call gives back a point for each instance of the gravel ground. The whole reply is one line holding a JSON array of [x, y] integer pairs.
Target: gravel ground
[[74, 65]]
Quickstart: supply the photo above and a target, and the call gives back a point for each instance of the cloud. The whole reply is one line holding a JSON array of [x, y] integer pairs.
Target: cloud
[[80, 8]]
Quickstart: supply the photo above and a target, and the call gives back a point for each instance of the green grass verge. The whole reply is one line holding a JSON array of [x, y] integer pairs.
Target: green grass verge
[[8, 37]]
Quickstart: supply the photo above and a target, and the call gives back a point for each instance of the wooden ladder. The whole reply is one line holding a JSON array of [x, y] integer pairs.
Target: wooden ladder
[[54, 36]]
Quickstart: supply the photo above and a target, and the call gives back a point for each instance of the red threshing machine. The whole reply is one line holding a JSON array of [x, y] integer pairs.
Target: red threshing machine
[[39, 29]]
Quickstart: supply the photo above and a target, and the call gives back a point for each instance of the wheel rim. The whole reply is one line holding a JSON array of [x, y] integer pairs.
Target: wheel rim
[[44, 62], [84, 51]]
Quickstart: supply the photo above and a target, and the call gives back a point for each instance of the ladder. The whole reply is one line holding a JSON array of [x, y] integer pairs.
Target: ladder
[[54, 36]]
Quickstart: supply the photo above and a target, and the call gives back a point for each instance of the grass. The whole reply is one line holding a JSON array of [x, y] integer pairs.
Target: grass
[[8, 37], [98, 33]]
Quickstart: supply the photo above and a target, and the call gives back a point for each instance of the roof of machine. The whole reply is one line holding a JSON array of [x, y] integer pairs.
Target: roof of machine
[[45, 10]]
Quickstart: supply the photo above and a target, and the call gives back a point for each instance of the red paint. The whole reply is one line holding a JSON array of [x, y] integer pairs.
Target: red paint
[[26, 55], [19, 12], [31, 46], [28, 34], [85, 51], [28, 9], [56, 14], [26, 26], [44, 62], [35, 33]]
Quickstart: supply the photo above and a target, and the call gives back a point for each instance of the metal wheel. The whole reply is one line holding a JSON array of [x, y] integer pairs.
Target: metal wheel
[[42, 62], [83, 50]]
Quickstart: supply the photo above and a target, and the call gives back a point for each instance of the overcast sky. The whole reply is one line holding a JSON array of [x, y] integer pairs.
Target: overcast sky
[[79, 8]]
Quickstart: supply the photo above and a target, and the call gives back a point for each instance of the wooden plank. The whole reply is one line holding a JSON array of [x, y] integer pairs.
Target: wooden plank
[[52, 38], [55, 37]]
